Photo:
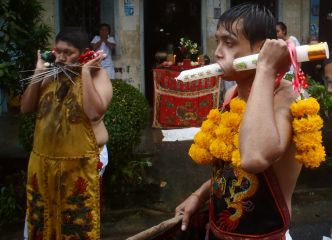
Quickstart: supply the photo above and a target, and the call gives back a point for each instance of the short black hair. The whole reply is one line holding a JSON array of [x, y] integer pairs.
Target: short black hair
[[258, 21], [105, 25], [282, 26], [75, 36]]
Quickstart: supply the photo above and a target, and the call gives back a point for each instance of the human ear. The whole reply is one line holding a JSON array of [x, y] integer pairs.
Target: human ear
[[257, 46]]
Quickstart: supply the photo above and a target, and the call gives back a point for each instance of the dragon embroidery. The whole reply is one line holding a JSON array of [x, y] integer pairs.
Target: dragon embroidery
[[236, 191]]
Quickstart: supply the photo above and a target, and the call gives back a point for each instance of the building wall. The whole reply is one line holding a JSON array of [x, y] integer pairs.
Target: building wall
[[128, 31], [296, 15], [49, 16], [127, 60], [211, 24]]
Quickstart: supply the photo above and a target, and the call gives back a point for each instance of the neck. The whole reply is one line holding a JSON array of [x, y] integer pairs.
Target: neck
[[244, 86]]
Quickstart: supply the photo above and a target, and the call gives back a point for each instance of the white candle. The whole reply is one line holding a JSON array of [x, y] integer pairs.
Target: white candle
[[304, 53]]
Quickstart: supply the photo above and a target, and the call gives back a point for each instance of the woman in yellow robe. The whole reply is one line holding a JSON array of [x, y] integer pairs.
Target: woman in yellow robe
[[63, 181]]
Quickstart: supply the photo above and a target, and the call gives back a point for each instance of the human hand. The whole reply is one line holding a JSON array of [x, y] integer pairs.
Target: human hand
[[40, 65], [93, 65], [274, 56], [103, 38], [187, 208]]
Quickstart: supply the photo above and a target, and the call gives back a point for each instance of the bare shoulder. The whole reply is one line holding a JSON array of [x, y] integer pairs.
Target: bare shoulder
[[285, 94]]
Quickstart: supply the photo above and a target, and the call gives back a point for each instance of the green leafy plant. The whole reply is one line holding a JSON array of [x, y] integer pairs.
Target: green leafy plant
[[12, 198], [26, 131], [127, 115], [320, 92], [21, 34]]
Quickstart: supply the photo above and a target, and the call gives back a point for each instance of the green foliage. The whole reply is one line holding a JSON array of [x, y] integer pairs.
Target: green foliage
[[26, 131], [127, 115], [22, 33], [320, 92], [134, 171], [12, 198]]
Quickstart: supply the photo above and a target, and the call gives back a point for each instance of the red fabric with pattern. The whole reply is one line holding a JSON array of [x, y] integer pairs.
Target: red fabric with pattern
[[180, 104]]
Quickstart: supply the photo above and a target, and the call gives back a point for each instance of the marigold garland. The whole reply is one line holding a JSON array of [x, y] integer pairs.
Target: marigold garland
[[219, 135], [307, 125]]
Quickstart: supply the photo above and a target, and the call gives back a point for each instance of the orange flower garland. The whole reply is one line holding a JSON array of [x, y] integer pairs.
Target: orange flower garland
[[219, 135], [307, 125]]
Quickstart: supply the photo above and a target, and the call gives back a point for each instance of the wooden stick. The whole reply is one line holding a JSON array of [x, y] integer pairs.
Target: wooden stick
[[162, 227]]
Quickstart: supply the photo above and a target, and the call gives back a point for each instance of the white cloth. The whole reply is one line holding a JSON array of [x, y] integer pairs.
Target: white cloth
[[107, 63], [294, 40], [288, 236], [103, 157], [182, 134]]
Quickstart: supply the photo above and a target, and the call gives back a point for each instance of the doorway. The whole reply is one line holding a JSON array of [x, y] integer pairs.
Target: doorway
[[165, 22], [325, 21], [82, 14]]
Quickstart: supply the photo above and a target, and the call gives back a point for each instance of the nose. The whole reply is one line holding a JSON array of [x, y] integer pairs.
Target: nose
[[60, 57], [218, 52]]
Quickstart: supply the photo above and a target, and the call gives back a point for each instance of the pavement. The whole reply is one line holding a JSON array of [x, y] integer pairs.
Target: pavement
[[175, 177]]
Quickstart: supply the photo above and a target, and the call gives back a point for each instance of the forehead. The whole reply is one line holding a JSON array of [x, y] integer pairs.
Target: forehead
[[104, 28], [235, 30], [65, 45], [278, 27]]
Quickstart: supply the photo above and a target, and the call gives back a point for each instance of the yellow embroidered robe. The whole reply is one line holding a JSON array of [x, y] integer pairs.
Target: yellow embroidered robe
[[63, 182]]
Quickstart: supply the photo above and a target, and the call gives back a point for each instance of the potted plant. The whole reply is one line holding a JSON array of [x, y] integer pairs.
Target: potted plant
[[188, 49]]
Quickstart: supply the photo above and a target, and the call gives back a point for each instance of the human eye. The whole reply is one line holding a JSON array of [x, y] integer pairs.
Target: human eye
[[228, 42], [57, 50], [67, 52]]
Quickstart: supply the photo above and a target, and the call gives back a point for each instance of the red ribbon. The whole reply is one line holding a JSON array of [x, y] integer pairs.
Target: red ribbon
[[299, 80], [87, 56]]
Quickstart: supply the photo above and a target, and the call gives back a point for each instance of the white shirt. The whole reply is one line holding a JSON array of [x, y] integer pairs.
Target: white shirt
[[107, 63], [294, 40]]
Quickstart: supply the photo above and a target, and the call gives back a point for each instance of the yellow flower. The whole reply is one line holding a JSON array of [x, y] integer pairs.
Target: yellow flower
[[304, 107], [231, 120], [221, 150], [203, 139], [236, 159], [306, 141], [225, 134], [200, 155], [219, 135], [214, 115], [208, 126], [309, 124], [311, 158], [236, 140], [237, 105]]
